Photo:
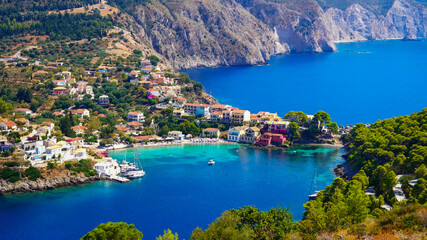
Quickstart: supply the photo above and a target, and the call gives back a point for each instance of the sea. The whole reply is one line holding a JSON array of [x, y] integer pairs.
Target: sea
[[180, 191], [361, 83]]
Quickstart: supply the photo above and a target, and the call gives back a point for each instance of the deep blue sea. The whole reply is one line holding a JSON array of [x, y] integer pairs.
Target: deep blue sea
[[363, 82], [180, 191]]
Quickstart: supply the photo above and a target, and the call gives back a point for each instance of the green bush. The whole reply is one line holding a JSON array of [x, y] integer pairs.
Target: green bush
[[33, 173]]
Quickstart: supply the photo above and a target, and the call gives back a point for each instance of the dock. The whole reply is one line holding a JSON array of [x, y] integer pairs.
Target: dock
[[120, 179]]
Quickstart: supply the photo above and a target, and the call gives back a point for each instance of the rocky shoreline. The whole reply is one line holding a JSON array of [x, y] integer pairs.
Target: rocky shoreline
[[28, 186]]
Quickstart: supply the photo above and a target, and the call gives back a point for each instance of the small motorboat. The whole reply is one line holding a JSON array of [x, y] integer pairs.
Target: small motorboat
[[135, 173], [211, 162]]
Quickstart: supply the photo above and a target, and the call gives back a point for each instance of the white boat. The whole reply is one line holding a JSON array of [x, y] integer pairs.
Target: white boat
[[135, 173], [126, 166], [211, 162]]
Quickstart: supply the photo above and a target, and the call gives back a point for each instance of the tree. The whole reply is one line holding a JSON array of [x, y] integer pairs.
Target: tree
[[357, 203], [154, 60], [333, 126], [114, 231], [383, 180], [93, 124], [298, 117], [228, 226], [4, 106], [322, 118], [65, 125], [168, 235], [293, 131]]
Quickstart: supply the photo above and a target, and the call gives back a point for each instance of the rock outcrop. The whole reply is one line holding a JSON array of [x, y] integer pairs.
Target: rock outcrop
[[210, 33], [27, 186], [207, 33], [357, 23]]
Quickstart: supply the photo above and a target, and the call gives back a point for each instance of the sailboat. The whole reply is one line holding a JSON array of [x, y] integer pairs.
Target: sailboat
[[137, 172]]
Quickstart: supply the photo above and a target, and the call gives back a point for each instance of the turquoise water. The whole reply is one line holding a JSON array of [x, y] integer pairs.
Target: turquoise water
[[363, 82], [180, 191]]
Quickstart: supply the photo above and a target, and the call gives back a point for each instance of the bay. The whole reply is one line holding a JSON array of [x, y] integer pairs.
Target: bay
[[180, 191], [362, 82]]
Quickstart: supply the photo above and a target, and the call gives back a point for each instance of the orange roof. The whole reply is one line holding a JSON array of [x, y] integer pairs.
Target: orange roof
[[239, 111], [216, 113], [145, 137], [41, 72], [134, 113], [23, 120], [123, 129], [9, 124], [197, 105], [133, 123], [210, 130], [76, 139], [47, 123], [22, 109], [79, 127]]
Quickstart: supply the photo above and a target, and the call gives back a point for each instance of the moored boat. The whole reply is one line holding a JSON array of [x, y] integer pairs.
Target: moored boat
[[211, 162]]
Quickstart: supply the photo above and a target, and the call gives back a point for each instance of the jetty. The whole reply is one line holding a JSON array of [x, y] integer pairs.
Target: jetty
[[119, 179]]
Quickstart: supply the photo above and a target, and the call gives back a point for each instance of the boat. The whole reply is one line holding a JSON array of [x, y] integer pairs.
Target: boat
[[211, 162], [134, 171], [126, 166]]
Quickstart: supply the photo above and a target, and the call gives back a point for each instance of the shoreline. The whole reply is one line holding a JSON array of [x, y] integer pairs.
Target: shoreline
[[45, 184]]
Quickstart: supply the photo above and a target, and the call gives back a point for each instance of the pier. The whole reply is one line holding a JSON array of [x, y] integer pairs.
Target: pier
[[119, 179]]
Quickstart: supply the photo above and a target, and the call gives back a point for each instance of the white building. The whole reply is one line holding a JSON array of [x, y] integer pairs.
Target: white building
[[176, 135], [197, 109], [108, 167], [235, 133], [136, 117], [104, 100]]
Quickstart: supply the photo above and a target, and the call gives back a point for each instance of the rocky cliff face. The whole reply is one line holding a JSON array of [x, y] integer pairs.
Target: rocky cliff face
[[209, 33], [44, 184], [356, 23], [206, 33]]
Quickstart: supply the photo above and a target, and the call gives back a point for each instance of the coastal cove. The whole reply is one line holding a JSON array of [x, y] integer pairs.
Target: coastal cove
[[180, 191], [362, 82]]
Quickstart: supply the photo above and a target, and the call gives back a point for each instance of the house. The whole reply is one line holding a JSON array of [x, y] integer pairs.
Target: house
[[135, 125], [216, 116], [122, 129], [9, 125], [178, 113], [60, 83], [136, 117], [145, 83], [235, 133], [267, 116], [3, 140], [77, 141], [240, 116], [250, 136], [154, 92], [54, 150], [177, 135], [66, 74], [276, 126], [107, 167], [24, 111], [148, 138], [211, 132], [146, 69], [81, 113], [197, 109], [60, 91], [145, 62], [85, 89], [23, 121], [80, 154], [220, 107], [40, 73], [104, 100], [271, 139], [79, 129], [181, 100], [50, 125], [226, 116]]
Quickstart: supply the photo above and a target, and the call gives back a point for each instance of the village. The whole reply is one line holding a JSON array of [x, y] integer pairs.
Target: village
[[40, 137]]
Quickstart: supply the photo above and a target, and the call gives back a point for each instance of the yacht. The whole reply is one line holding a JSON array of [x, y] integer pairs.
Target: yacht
[[211, 162], [126, 166], [134, 170]]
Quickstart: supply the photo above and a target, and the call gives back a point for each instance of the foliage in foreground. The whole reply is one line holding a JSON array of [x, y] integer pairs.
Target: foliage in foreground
[[114, 231]]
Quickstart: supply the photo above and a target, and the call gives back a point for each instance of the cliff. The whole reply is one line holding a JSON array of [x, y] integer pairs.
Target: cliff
[[27, 186], [209, 33]]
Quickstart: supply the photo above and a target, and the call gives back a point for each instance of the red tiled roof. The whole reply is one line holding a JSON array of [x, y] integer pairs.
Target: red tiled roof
[[210, 130], [135, 123], [9, 124]]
